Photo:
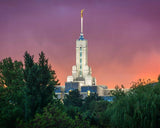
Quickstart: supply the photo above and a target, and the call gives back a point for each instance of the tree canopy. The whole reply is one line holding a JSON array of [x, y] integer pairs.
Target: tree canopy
[[11, 92], [24, 91], [39, 80], [27, 99], [137, 108]]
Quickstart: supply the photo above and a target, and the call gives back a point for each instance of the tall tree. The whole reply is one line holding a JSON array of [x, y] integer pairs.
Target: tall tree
[[40, 80], [47, 80], [11, 92]]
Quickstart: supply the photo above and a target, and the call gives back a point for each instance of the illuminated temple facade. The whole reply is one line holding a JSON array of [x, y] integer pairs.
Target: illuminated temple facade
[[81, 72], [81, 78]]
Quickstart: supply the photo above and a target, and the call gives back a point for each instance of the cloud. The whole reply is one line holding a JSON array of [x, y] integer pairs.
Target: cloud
[[120, 34]]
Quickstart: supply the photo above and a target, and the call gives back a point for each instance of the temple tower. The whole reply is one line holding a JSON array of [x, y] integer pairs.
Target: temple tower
[[81, 72]]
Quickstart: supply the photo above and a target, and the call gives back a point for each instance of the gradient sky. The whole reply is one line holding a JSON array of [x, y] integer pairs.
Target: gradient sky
[[123, 36]]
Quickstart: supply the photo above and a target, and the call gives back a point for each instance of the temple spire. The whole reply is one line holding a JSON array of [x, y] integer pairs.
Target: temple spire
[[81, 34], [82, 21]]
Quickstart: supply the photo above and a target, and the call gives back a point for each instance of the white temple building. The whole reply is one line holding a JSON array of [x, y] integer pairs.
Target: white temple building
[[81, 72], [81, 78]]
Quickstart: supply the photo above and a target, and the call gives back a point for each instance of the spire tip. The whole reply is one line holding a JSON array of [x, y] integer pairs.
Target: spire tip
[[82, 10]]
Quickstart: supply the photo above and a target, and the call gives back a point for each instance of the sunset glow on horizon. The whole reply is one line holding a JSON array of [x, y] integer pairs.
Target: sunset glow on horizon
[[123, 36]]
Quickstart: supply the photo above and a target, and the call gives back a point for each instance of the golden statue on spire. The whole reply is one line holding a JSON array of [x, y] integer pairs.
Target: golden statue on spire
[[82, 12]]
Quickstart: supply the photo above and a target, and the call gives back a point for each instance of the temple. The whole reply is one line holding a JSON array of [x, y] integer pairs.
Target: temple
[[81, 72], [81, 78]]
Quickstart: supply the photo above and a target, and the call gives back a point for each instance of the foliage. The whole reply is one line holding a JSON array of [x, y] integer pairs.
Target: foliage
[[40, 80], [80, 122], [85, 112], [52, 116], [88, 111], [11, 73], [138, 108], [26, 100], [89, 99], [93, 111], [118, 93], [73, 99], [11, 92], [159, 78]]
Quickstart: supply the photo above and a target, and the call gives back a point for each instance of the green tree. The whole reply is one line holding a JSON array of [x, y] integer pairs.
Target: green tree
[[11, 73], [53, 116], [40, 80], [139, 108], [73, 104], [73, 99], [118, 92], [93, 111], [47, 80], [89, 99], [11, 92], [159, 78]]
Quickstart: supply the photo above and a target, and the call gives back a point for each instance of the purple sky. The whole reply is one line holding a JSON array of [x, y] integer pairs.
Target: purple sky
[[123, 36]]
